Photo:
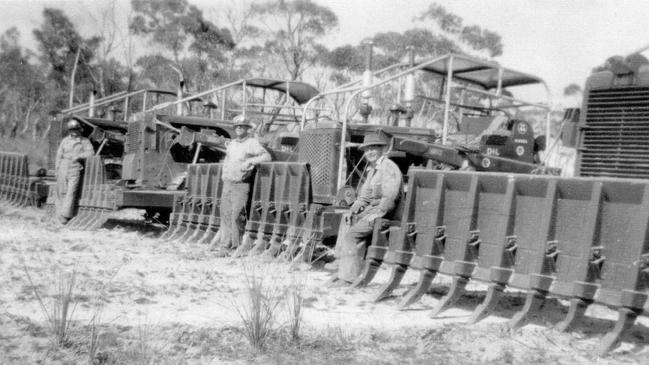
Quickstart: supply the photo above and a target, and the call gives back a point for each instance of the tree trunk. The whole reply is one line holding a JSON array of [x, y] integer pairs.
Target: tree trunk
[[72, 76]]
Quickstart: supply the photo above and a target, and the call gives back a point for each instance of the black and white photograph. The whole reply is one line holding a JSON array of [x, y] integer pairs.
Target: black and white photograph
[[324, 182]]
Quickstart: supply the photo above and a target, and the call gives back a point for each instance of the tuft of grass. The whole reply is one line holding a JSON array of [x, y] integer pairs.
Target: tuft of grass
[[93, 343], [258, 306], [294, 304], [61, 310]]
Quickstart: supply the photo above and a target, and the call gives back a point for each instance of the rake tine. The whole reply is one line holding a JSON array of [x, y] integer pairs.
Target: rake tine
[[77, 218], [576, 311], [370, 269], [625, 320], [246, 245], [275, 246], [260, 245], [396, 275], [533, 301], [423, 284], [455, 292], [99, 221], [173, 225], [198, 234], [179, 232], [494, 293], [284, 250], [87, 219], [188, 232], [209, 235]]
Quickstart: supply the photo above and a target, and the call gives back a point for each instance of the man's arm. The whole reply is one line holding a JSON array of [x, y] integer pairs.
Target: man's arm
[[258, 152], [362, 200], [86, 149]]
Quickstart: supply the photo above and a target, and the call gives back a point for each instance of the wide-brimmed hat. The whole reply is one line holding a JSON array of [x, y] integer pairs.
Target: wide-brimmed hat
[[241, 120], [373, 140]]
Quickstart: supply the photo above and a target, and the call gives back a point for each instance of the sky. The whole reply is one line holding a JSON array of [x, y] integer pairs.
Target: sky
[[557, 40]]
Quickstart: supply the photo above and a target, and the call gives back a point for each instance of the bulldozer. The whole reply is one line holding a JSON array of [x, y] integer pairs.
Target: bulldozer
[[152, 148], [583, 238]]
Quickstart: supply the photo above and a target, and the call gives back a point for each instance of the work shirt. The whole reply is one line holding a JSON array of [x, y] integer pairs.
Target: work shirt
[[71, 150], [382, 188], [240, 153]]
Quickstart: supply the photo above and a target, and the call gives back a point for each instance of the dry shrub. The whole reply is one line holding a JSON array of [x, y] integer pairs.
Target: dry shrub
[[59, 313]]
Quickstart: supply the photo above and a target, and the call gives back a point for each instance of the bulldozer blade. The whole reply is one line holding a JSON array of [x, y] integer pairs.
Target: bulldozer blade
[[576, 311], [246, 245], [625, 320], [454, 293], [396, 275], [370, 269], [423, 284], [533, 301], [494, 293]]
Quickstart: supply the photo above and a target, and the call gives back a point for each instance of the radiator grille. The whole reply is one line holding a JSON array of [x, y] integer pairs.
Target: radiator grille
[[132, 137], [615, 133], [318, 148]]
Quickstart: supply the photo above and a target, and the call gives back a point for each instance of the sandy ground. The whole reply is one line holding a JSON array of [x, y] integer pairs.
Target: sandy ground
[[154, 302]]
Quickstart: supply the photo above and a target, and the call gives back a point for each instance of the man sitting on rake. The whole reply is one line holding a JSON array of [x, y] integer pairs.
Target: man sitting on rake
[[73, 148], [377, 197], [242, 154]]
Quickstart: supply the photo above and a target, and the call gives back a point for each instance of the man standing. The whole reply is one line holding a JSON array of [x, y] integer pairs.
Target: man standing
[[73, 148], [242, 154], [377, 197]]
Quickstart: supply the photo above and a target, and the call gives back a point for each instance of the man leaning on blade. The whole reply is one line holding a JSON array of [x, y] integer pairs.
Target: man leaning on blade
[[243, 153], [73, 149]]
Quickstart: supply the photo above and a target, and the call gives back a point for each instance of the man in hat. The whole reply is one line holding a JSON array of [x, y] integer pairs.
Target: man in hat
[[242, 154], [377, 197], [73, 148]]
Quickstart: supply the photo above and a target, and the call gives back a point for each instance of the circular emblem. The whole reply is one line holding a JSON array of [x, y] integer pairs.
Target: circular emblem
[[486, 163], [520, 150], [522, 128]]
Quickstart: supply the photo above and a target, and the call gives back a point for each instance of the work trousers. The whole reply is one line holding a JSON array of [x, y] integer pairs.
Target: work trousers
[[67, 190], [354, 245], [234, 198]]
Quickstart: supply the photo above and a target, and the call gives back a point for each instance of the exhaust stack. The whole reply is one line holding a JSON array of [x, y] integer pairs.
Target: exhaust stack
[[366, 108]]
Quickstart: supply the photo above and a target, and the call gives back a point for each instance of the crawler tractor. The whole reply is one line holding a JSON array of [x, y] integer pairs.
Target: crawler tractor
[[146, 164], [582, 238]]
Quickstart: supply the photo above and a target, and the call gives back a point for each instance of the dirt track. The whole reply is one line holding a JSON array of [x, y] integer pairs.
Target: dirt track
[[174, 303]]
